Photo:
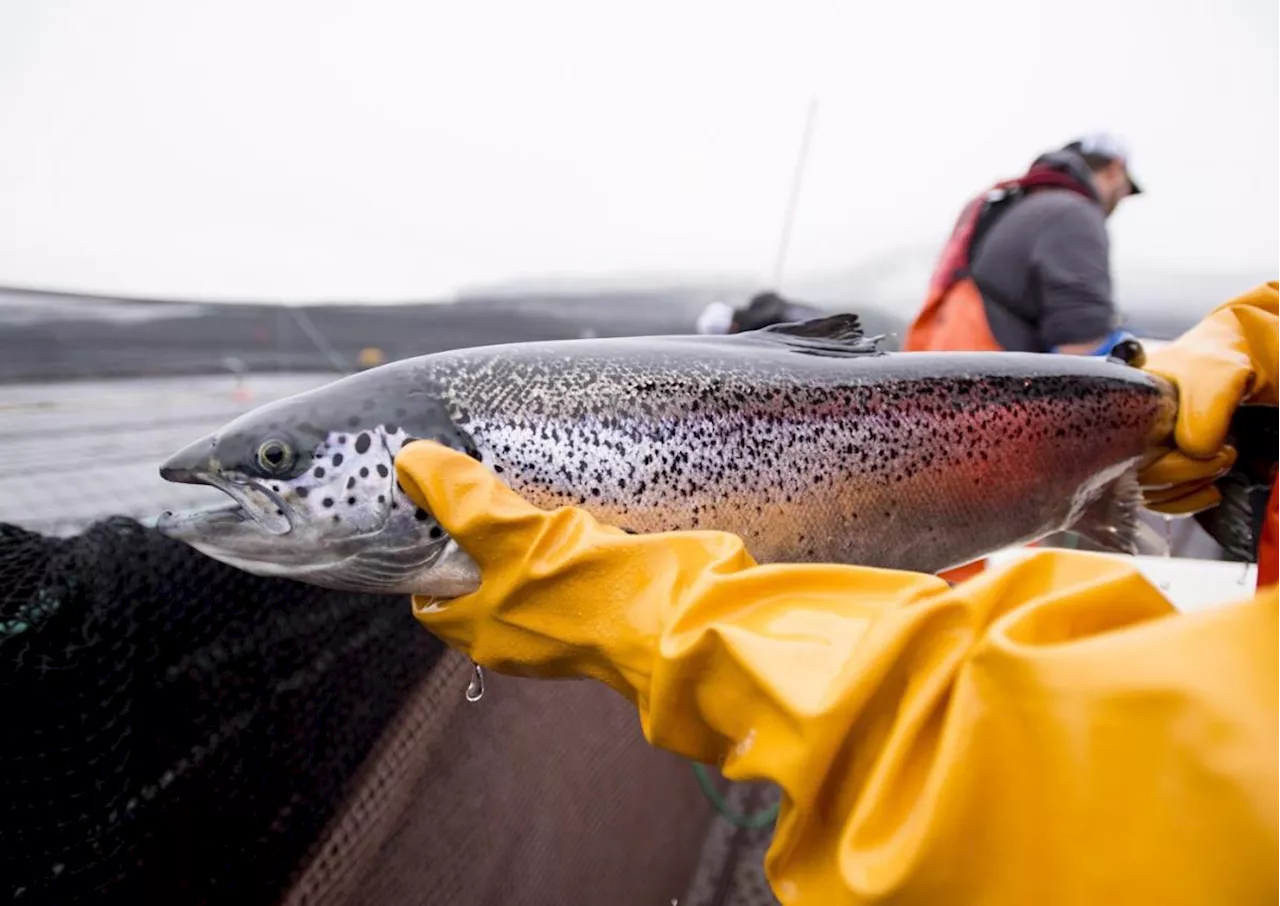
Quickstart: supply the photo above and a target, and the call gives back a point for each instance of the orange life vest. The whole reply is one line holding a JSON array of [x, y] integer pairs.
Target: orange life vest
[[954, 318]]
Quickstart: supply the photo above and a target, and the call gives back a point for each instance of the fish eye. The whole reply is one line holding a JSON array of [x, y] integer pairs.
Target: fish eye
[[275, 456]]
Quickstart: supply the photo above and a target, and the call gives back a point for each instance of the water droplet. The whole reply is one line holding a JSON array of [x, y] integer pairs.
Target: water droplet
[[475, 688]]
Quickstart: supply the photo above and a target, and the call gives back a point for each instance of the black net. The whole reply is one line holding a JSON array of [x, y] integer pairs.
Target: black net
[[176, 730]]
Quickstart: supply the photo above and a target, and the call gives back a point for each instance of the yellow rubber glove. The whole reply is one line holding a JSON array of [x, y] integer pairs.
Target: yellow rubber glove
[[1049, 733], [1227, 359]]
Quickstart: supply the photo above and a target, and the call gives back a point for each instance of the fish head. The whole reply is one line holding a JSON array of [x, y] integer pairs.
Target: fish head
[[314, 497]]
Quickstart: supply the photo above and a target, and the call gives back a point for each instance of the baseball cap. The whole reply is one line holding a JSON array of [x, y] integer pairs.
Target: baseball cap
[[1103, 144]]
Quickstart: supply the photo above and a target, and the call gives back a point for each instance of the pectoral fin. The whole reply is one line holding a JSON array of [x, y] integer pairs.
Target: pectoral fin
[[1112, 521]]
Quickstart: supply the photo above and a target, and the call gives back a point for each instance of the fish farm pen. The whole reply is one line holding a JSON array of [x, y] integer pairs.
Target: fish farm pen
[[178, 731]]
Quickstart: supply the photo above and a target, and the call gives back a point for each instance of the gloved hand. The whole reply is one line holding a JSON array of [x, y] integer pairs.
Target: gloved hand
[[1227, 359], [1022, 737]]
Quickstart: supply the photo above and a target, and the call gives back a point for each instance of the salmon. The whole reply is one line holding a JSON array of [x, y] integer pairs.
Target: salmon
[[806, 439]]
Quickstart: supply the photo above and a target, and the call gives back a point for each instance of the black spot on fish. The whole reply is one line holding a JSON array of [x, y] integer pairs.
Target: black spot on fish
[[276, 488], [319, 472], [342, 438], [303, 492], [328, 501], [364, 471], [362, 443], [351, 501], [498, 469], [436, 532], [351, 482], [420, 514], [337, 460], [279, 512], [337, 518], [382, 498], [382, 470], [393, 429]]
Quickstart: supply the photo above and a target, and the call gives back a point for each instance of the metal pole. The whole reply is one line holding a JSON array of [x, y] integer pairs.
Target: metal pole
[[797, 179], [309, 328]]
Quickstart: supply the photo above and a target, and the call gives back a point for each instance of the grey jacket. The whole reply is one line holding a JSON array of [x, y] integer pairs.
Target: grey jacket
[[1044, 267]]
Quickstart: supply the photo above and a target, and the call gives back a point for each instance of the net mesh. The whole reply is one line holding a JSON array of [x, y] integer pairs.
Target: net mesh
[[730, 868], [177, 730]]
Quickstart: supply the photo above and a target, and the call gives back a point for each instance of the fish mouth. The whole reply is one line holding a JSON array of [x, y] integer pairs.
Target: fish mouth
[[250, 501]]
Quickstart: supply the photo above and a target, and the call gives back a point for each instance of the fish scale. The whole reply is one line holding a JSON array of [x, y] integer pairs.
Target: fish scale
[[805, 440]]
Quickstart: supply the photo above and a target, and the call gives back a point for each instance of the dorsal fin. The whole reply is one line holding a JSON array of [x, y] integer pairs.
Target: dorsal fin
[[834, 335], [844, 326]]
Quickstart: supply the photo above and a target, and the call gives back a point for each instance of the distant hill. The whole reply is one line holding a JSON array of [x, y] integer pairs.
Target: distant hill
[[57, 336], [50, 335]]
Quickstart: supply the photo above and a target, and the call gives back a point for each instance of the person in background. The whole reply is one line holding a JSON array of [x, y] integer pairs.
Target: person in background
[[1050, 732], [763, 310], [1027, 267]]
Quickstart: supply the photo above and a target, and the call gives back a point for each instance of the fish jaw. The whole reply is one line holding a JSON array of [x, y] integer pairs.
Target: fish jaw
[[226, 533], [231, 532], [398, 559]]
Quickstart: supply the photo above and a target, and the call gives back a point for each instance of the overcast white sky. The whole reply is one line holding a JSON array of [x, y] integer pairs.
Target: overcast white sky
[[379, 150]]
